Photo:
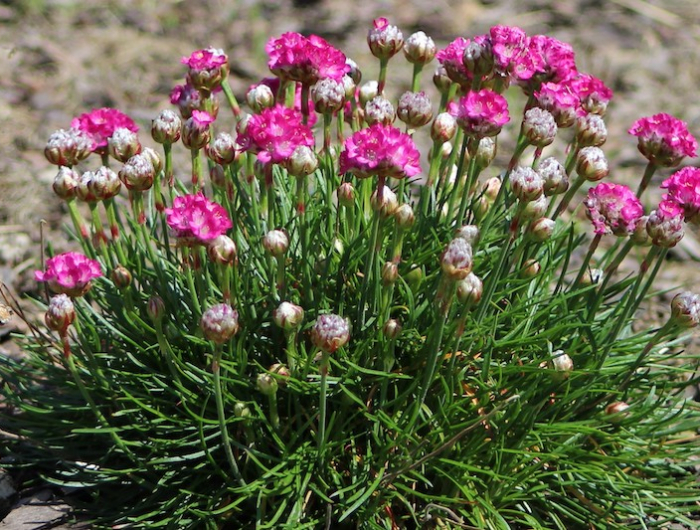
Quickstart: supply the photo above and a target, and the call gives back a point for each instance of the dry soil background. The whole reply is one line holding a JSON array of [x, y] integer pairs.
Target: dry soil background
[[59, 58]]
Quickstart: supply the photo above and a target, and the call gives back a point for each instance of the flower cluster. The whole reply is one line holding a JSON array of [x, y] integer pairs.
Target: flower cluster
[[613, 209], [380, 150], [196, 217], [663, 139], [100, 124], [481, 114], [305, 59], [70, 273], [683, 189]]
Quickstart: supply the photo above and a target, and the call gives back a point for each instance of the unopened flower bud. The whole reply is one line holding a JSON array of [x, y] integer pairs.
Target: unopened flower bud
[[217, 176], [478, 57], [534, 209], [355, 73], [591, 164], [554, 176], [530, 269], [526, 183], [154, 157], [60, 313], [404, 216], [446, 151], [219, 323], [260, 97], [415, 109], [390, 272], [379, 110], [491, 188], [640, 236], [562, 363], [419, 48], [470, 233], [346, 194], [388, 205], [456, 260], [441, 80], [384, 40], [123, 144], [328, 95], [281, 372], [685, 309], [392, 329], [67, 147], [541, 229], [242, 125], [98, 185], [486, 152], [276, 242], [539, 127], [266, 384], [166, 128], [470, 289], [368, 92], [155, 308], [241, 410], [66, 182], [481, 208], [121, 277], [288, 316], [196, 131], [330, 332], [591, 130], [592, 277], [443, 128], [665, 230], [222, 250], [137, 173], [616, 412], [303, 162], [222, 149]]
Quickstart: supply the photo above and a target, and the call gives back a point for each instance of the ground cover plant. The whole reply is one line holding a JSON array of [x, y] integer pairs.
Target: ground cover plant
[[351, 315]]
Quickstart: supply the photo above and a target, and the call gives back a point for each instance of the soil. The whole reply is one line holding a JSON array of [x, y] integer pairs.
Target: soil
[[60, 58]]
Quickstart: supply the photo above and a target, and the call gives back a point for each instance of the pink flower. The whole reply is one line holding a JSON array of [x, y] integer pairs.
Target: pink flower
[[69, 273], [305, 59], [663, 139], [481, 113], [613, 209], [99, 124], [592, 93], [207, 68], [195, 216], [684, 190], [330, 332], [553, 60], [275, 133], [510, 47], [451, 59], [665, 225], [381, 150], [560, 100]]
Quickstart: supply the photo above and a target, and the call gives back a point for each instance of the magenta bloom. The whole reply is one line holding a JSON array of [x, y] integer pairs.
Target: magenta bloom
[[592, 93], [560, 100], [613, 209], [554, 60], [69, 273], [481, 113], [451, 59], [305, 59], [381, 150], [196, 217], [665, 225], [684, 190], [275, 133], [99, 124], [663, 139], [207, 68], [510, 49]]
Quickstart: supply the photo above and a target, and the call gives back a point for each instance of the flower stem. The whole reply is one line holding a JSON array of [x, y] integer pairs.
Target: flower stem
[[322, 405]]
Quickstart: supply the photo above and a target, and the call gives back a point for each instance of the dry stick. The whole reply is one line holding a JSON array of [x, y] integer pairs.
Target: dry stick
[[449, 443]]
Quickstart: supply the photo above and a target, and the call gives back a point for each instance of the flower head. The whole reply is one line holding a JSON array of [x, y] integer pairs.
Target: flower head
[[330, 332], [451, 59], [207, 68], [685, 309], [67, 148], [60, 313], [481, 114], [684, 189], [613, 208], [69, 273], [510, 52], [560, 100], [592, 93], [665, 225], [380, 150], [554, 60], [663, 139], [305, 59], [383, 39], [100, 124], [275, 133], [195, 216], [219, 323]]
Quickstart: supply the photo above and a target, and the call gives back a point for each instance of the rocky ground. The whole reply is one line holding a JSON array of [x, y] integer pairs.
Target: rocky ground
[[60, 58]]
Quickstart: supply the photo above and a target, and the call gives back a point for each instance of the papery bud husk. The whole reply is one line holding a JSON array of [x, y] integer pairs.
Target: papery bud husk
[[405, 218], [390, 273], [66, 182], [419, 48], [456, 261], [592, 164], [379, 110], [392, 329], [166, 128], [155, 308], [222, 149], [288, 316], [368, 92], [346, 194], [388, 205], [616, 412], [303, 162], [219, 323], [276, 242], [222, 250], [123, 144], [685, 309], [415, 109], [554, 176], [266, 384], [591, 130], [541, 229], [530, 269], [470, 289], [539, 127], [470, 233], [330, 332], [486, 152], [67, 147], [562, 363], [121, 277], [260, 97], [60, 314], [444, 128]]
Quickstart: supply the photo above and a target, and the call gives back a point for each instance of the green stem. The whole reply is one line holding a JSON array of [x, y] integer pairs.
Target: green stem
[[415, 81], [382, 75], [369, 270], [231, 99], [322, 405], [196, 170], [646, 178]]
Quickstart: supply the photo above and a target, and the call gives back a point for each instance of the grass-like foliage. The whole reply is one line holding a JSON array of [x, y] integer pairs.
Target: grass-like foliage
[[331, 332]]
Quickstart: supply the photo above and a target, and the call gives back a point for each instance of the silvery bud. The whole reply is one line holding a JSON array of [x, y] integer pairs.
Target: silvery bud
[[266, 384], [303, 162], [60, 313], [392, 329], [67, 147], [276, 242], [98, 185], [539, 127], [222, 250], [685, 309], [415, 109], [640, 236], [379, 110], [456, 261], [330, 332], [166, 128], [346, 194], [368, 92], [123, 144], [384, 40], [288, 316], [66, 182], [404, 216], [219, 323], [155, 308], [259, 97], [591, 130], [443, 128], [592, 164], [554, 176], [222, 149], [441, 80], [526, 183], [562, 364], [390, 272], [534, 209], [121, 277], [388, 205], [470, 289], [470, 233], [486, 152], [616, 412], [354, 73], [328, 95], [530, 269], [541, 229], [138, 173], [419, 48]]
